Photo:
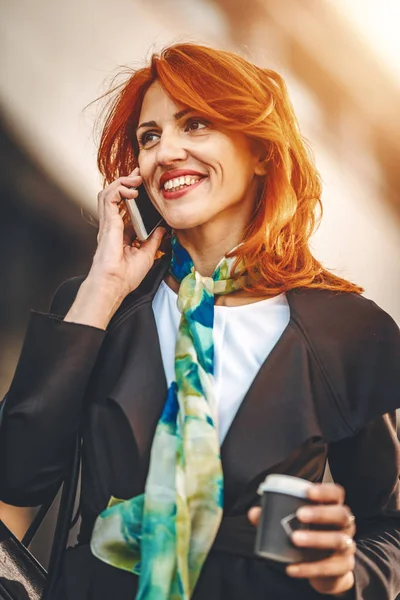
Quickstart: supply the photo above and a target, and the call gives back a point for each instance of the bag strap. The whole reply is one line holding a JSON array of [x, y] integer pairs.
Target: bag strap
[[64, 517]]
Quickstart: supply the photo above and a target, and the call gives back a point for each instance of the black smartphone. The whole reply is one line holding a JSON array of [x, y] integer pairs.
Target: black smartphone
[[143, 214]]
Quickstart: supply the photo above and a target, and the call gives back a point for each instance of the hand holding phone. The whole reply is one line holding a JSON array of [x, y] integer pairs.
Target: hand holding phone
[[118, 267]]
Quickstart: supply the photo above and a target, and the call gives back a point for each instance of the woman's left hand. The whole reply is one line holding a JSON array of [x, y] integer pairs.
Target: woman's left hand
[[333, 575]]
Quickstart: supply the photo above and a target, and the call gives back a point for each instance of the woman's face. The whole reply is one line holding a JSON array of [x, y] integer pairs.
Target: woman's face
[[195, 172]]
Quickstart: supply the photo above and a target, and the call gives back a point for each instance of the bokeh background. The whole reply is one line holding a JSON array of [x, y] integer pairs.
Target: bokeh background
[[341, 61]]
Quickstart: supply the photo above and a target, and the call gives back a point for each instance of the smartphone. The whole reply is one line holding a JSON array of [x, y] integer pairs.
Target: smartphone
[[143, 214]]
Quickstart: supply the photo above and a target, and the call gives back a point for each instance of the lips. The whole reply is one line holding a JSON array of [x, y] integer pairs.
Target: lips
[[174, 195], [178, 173]]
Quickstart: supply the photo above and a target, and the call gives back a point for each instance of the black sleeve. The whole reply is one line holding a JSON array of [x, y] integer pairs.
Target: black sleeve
[[43, 406], [368, 467]]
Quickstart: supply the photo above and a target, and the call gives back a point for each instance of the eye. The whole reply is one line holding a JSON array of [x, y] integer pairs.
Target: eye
[[196, 124], [148, 138]]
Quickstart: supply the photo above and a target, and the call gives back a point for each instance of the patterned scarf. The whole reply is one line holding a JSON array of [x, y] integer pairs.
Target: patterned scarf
[[165, 534]]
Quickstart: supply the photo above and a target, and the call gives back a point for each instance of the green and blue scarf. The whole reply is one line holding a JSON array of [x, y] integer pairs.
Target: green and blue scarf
[[165, 534]]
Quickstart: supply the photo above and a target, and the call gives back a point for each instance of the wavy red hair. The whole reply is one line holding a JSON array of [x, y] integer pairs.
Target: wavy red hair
[[237, 95]]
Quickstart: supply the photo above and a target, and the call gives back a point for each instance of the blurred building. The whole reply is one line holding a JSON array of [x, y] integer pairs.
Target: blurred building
[[57, 57]]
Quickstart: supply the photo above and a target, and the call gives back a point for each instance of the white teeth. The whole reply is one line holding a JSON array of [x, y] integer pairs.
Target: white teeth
[[179, 182]]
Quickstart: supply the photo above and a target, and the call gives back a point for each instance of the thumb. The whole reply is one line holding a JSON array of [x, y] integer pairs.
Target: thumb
[[151, 245]]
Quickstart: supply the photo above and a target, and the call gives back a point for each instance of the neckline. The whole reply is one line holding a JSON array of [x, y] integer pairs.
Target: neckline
[[275, 300]]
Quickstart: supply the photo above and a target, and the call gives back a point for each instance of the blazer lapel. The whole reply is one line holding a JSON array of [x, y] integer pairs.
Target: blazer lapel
[[140, 386], [276, 416]]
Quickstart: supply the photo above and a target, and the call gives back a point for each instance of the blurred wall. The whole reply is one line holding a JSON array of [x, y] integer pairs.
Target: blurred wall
[[57, 57]]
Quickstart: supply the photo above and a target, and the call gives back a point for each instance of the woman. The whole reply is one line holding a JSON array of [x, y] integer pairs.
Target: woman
[[278, 364]]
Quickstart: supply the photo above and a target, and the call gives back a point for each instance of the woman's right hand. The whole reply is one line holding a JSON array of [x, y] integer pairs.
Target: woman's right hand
[[118, 267]]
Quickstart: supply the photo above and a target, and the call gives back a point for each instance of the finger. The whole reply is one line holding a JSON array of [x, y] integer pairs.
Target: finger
[[109, 204], [114, 208], [130, 180], [333, 585], [327, 493], [129, 235], [334, 566], [150, 246], [134, 172], [123, 211], [335, 515], [254, 515], [329, 540], [118, 194], [114, 193]]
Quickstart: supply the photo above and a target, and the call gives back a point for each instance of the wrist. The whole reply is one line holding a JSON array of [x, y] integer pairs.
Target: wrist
[[95, 303]]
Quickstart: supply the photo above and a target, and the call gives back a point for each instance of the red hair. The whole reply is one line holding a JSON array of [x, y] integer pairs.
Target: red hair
[[237, 95]]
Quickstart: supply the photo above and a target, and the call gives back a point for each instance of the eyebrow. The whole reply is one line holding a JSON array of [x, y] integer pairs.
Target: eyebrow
[[177, 117]]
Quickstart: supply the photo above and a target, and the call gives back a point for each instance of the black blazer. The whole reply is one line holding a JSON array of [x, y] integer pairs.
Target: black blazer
[[328, 390]]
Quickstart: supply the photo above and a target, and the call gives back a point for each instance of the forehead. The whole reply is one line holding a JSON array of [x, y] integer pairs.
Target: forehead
[[157, 104]]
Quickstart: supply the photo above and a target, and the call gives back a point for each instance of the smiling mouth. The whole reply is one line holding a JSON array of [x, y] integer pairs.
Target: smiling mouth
[[178, 183]]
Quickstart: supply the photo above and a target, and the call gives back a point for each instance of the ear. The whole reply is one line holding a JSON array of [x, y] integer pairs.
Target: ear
[[260, 167], [260, 154]]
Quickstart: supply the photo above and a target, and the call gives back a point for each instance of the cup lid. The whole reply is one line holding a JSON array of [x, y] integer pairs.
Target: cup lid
[[285, 484]]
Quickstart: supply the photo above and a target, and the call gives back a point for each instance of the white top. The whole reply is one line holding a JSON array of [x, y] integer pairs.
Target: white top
[[243, 338]]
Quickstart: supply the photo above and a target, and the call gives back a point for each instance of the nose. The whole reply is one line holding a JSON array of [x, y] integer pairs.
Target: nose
[[170, 149]]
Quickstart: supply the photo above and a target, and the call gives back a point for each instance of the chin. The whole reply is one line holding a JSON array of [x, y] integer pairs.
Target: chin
[[185, 221], [178, 224]]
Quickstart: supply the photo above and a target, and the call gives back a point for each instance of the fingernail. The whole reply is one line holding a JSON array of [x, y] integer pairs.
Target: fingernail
[[304, 513]]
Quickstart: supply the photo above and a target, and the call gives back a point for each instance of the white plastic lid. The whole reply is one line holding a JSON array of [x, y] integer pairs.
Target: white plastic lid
[[285, 484]]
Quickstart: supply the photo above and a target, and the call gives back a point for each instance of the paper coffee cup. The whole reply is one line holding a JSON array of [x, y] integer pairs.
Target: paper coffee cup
[[281, 497]]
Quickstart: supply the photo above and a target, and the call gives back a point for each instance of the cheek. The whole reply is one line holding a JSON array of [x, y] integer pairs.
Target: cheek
[[144, 165], [236, 163], [237, 175], [140, 162]]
